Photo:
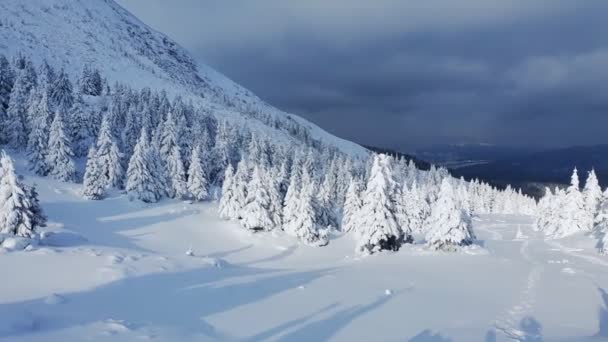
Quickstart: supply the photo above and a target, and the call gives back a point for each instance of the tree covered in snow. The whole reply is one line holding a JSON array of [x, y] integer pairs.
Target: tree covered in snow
[[93, 184], [20, 212], [303, 224], [14, 126], [273, 181], [379, 229], [352, 206], [37, 145], [292, 196], [229, 207], [62, 94], [7, 78], [169, 150], [417, 208], [90, 82], [82, 127], [109, 158], [255, 214], [449, 226], [326, 202], [592, 194], [601, 224], [60, 156], [198, 181], [573, 216], [141, 179]]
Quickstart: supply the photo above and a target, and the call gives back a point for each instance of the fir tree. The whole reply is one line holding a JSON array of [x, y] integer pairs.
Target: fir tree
[[379, 229], [90, 82], [176, 175], [37, 146], [62, 96], [38, 217], [14, 127], [19, 212], [450, 227], [256, 214], [601, 224], [326, 199], [573, 214], [303, 225], [7, 79], [141, 182], [60, 157], [94, 186], [108, 157], [229, 207], [241, 180], [198, 183], [290, 203], [273, 183], [352, 206], [82, 127], [592, 195]]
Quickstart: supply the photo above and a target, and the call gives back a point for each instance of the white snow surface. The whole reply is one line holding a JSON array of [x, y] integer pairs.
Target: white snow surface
[[102, 34], [116, 270]]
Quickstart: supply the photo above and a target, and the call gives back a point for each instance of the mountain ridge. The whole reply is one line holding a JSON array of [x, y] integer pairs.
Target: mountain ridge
[[108, 37]]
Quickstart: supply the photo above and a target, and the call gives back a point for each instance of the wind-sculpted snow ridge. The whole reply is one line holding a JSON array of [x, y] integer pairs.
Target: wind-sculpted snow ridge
[[102, 34]]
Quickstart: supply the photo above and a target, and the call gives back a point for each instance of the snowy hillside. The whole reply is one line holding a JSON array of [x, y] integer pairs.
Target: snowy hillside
[[100, 33], [145, 197], [118, 271]]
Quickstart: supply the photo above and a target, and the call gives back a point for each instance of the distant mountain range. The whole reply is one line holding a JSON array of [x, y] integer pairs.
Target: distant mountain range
[[527, 168]]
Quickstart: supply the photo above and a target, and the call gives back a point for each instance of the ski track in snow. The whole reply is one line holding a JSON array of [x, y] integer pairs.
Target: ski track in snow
[[509, 323]]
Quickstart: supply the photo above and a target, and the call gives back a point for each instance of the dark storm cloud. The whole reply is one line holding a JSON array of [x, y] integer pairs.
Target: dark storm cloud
[[409, 73]]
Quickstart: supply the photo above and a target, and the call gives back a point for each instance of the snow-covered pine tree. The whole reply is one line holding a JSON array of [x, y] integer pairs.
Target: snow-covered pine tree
[[130, 133], [198, 182], [290, 202], [82, 127], [398, 197], [241, 180], [19, 214], [601, 224], [450, 227], [171, 156], [90, 82], [273, 185], [60, 156], [378, 227], [37, 145], [229, 207], [46, 78], [417, 208], [141, 182], [62, 96], [573, 214], [303, 224], [7, 79], [352, 206], [176, 175], [94, 183], [109, 158], [256, 214], [38, 217], [325, 200], [14, 127], [592, 194]]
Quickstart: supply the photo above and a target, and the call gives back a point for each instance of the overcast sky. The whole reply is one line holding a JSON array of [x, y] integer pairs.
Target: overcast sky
[[410, 73]]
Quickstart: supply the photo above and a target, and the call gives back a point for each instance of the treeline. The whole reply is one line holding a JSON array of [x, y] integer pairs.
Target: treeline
[[153, 147], [564, 212]]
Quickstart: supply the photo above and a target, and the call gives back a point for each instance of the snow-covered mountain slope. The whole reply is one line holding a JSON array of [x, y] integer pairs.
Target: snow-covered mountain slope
[[119, 271], [72, 33]]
